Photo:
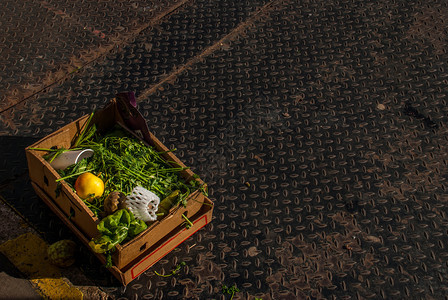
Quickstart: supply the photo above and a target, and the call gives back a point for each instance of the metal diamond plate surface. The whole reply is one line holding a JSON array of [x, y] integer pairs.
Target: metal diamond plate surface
[[320, 127], [137, 66], [43, 42]]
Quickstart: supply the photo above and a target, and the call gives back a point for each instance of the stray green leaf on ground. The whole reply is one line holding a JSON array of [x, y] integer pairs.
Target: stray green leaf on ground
[[230, 290], [173, 272]]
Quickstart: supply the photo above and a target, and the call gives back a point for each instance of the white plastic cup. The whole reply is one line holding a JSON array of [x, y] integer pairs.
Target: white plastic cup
[[68, 158]]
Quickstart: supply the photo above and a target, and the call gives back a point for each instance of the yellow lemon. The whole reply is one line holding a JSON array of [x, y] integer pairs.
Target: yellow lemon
[[89, 186]]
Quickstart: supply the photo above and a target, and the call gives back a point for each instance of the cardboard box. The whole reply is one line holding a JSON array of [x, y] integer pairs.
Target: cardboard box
[[79, 216]]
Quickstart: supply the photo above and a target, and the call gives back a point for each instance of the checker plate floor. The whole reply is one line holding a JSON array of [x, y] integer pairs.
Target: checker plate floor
[[320, 127]]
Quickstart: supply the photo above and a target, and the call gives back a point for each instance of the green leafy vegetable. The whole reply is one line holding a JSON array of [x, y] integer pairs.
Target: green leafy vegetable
[[114, 229]]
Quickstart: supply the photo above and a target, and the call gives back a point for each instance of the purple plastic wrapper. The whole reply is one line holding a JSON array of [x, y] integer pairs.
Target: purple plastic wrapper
[[127, 106]]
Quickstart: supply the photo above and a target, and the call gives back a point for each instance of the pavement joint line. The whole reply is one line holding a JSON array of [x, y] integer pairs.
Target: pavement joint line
[[116, 43], [233, 34], [28, 253]]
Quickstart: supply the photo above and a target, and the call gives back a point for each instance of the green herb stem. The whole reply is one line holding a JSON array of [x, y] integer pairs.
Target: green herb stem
[[163, 152], [189, 223], [73, 175], [82, 134], [44, 149]]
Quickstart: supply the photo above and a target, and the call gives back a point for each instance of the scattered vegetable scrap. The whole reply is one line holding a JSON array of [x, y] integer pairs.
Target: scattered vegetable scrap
[[230, 290], [175, 271]]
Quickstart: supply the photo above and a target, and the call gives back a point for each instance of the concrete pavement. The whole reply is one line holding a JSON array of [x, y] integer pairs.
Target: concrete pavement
[[25, 272]]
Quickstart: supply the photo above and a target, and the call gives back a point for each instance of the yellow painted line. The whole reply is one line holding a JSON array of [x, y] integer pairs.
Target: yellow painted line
[[28, 253]]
